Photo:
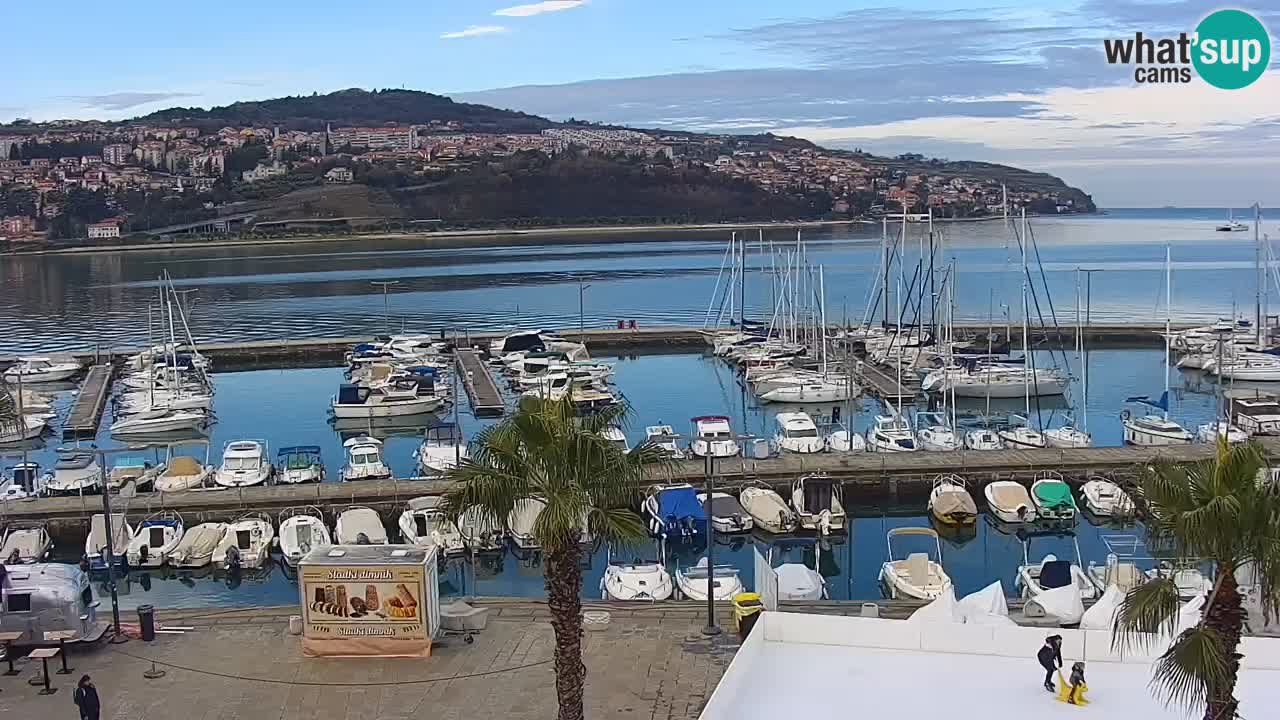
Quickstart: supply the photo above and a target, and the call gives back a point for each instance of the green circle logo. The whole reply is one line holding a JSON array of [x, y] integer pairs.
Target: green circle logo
[[1232, 49]]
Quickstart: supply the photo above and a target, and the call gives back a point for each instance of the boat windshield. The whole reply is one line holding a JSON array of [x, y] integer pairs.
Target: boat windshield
[[365, 457], [715, 435], [804, 433], [235, 463]]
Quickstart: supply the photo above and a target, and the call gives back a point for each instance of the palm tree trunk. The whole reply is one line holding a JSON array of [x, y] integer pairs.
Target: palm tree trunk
[[1225, 615], [564, 595]]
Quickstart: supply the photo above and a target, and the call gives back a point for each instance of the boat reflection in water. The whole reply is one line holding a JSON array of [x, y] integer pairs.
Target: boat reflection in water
[[383, 428]]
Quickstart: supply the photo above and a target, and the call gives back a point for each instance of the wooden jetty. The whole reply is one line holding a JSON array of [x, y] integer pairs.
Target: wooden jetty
[[885, 386], [482, 392], [87, 409]]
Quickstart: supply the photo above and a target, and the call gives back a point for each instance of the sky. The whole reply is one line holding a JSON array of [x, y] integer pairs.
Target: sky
[[1023, 83]]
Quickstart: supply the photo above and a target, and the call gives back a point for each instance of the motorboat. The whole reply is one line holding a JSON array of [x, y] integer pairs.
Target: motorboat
[[25, 543], [401, 398], [182, 472], [443, 449], [1052, 497], [1210, 432], [674, 513], [1256, 415], [480, 533], [796, 433], [1022, 436], [950, 502], [199, 546], [844, 440], [244, 463], [521, 523], [1189, 580], [154, 539], [75, 473], [42, 369], [1120, 569], [665, 437], [713, 437], [1153, 430], [1106, 499], [724, 579], [301, 531], [246, 544], [299, 464], [1231, 225], [767, 509], [1050, 573], [917, 576], [616, 438], [816, 500], [95, 543], [360, 526], [1009, 501], [1067, 436], [151, 422], [983, 439], [727, 514], [797, 581], [935, 433], [364, 460], [891, 433], [24, 481], [131, 469], [424, 523], [19, 430], [637, 580]]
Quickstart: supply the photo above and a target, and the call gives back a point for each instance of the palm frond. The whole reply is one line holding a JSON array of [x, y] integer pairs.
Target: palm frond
[[1147, 613], [1192, 670], [619, 526]]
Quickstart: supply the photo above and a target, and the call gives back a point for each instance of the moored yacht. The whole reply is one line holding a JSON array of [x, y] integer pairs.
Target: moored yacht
[[665, 437], [713, 437], [244, 463], [891, 433], [796, 433], [935, 433], [443, 449], [364, 460]]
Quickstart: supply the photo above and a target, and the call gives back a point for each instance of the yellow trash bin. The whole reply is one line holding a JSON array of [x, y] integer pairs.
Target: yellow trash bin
[[746, 610]]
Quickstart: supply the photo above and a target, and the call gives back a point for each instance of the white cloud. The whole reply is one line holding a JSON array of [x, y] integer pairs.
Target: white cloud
[[473, 31], [538, 8]]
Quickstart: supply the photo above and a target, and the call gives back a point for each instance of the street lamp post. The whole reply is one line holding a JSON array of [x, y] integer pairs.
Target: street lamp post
[[386, 285], [709, 469], [582, 292]]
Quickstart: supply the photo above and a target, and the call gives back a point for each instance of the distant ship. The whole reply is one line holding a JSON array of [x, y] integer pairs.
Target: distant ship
[[1232, 225]]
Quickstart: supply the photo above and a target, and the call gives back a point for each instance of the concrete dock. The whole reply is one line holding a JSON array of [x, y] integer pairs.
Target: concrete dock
[[877, 381], [87, 409], [482, 392]]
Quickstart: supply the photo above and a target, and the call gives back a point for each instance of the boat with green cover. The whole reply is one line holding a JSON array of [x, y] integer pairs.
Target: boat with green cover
[[1052, 498]]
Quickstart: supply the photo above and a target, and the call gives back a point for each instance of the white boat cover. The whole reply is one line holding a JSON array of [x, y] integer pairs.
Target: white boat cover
[[199, 541], [524, 515], [28, 542], [98, 534], [942, 610], [986, 606], [1063, 603], [1189, 614], [1102, 616], [798, 582], [356, 521]]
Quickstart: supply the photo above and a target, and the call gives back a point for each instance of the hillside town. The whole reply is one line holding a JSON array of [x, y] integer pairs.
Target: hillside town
[[99, 181]]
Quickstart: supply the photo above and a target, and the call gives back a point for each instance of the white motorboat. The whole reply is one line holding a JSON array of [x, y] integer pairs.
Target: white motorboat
[[1052, 497], [1106, 499], [364, 460], [692, 581], [1153, 430], [402, 398], [521, 522], [1210, 432], [1009, 501], [41, 369], [796, 433], [136, 402], [154, 539], [1120, 569], [1232, 224], [891, 433], [616, 438], [246, 544], [198, 546], [299, 464], [1189, 580], [25, 543], [424, 523], [1068, 436], [29, 427], [636, 581], [75, 473], [844, 440], [131, 469], [816, 500], [713, 437], [301, 531], [950, 502], [1050, 573], [935, 433], [1256, 415], [665, 437], [151, 422], [479, 533], [797, 581], [24, 481], [182, 472], [95, 543], [726, 513], [244, 463], [1022, 436], [443, 449], [767, 509], [360, 526], [983, 439], [917, 576]]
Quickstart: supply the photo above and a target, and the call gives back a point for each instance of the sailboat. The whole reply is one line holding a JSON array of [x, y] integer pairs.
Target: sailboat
[[1068, 435], [1154, 429], [1232, 224]]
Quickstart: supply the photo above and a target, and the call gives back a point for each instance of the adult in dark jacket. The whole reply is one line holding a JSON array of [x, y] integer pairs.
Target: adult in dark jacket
[[86, 698], [1050, 657]]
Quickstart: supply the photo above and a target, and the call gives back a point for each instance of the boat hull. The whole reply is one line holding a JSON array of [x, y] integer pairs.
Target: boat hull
[[417, 406], [1136, 435]]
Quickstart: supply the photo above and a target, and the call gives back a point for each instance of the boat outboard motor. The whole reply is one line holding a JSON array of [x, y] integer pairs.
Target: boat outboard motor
[[362, 539], [143, 553], [233, 558]]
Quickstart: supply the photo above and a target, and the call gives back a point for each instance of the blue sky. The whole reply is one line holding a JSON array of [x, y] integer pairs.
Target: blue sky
[[1023, 83]]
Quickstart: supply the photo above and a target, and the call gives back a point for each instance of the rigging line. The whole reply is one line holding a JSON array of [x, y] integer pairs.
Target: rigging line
[[1031, 232]]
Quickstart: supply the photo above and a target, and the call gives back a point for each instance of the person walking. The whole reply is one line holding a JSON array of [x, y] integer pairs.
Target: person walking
[[86, 698], [1050, 657]]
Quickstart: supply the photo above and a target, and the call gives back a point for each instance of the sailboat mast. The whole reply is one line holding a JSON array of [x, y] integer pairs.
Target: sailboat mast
[[822, 310], [1026, 347], [884, 243], [1257, 261], [1168, 318]]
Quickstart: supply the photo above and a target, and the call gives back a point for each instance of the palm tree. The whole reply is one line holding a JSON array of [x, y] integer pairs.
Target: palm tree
[[547, 451], [1224, 511]]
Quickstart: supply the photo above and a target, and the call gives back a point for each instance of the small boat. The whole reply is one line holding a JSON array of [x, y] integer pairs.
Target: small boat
[[1052, 497], [16, 431], [423, 523], [75, 473], [244, 463], [443, 449], [1106, 499], [1153, 429], [1068, 436], [521, 522], [767, 509], [1210, 432], [400, 398], [40, 369], [891, 433], [299, 464], [713, 437], [725, 582], [950, 502], [727, 514], [1009, 502], [983, 439], [796, 433], [154, 539], [24, 481], [1050, 573], [150, 422], [246, 544], [364, 460], [637, 580], [360, 526], [844, 440], [1232, 224], [616, 438], [183, 472], [479, 533], [675, 513], [25, 543], [917, 576], [1190, 581], [935, 433], [301, 531], [1022, 436], [665, 437], [131, 468], [95, 543], [1120, 568], [198, 546], [816, 500], [797, 581]]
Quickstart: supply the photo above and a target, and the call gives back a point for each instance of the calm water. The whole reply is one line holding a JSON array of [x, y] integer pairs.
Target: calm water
[[323, 289]]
